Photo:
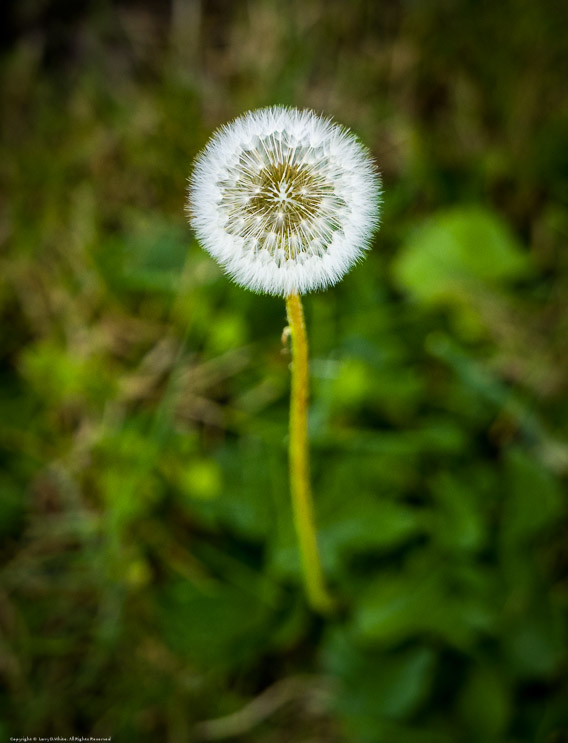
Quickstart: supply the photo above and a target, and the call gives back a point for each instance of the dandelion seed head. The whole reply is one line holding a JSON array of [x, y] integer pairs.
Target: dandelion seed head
[[285, 200]]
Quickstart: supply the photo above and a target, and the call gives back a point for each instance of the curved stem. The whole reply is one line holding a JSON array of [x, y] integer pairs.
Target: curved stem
[[302, 504]]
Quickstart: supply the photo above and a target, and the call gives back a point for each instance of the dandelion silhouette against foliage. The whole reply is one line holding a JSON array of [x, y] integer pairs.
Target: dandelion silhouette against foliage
[[287, 201]]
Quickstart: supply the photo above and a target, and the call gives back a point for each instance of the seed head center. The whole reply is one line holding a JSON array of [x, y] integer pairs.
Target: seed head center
[[285, 195], [280, 202]]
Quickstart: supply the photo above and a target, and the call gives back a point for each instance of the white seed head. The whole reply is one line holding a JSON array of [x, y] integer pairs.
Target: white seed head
[[285, 200]]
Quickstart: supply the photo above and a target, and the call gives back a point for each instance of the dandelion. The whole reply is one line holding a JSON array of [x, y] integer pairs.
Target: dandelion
[[284, 200], [287, 201]]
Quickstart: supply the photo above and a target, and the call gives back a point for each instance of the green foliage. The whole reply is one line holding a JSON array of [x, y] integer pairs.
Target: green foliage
[[150, 576], [378, 688], [217, 627], [455, 252]]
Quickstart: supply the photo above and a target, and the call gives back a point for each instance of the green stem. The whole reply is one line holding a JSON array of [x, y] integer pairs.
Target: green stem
[[302, 504]]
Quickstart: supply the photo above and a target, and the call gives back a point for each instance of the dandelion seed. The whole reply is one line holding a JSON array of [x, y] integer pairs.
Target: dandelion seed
[[285, 200]]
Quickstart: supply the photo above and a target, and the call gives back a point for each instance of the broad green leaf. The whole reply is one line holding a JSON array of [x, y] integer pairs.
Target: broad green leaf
[[365, 523], [534, 499], [457, 520], [398, 607], [376, 687], [534, 635], [456, 251], [485, 703], [214, 628]]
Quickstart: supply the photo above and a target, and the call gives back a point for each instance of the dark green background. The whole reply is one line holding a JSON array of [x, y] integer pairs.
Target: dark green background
[[150, 578]]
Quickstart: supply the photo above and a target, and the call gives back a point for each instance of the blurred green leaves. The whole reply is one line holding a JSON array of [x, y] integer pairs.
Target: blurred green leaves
[[457, 252], [376, 688], [150, 576], [215, 627], [459, 259], [201, 478], [148, 257], [534, 501], [55, 374], [485, 703]]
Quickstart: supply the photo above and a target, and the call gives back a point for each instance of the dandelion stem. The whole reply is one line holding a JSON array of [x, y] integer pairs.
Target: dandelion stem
[[302, 504]]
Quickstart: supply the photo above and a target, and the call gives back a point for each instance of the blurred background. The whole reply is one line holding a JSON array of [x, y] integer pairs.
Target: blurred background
[[149, 582]]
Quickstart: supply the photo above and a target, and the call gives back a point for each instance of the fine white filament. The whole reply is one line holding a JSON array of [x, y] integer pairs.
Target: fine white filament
[[285, 200]]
